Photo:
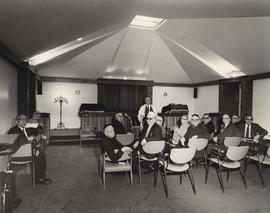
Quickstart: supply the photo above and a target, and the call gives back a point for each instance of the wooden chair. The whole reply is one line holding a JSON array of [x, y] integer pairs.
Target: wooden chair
[[86, 133], [124, 164]]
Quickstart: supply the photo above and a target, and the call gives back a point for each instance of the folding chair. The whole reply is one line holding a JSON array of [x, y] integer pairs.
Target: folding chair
[[178, 163], [124, 164], [154, 149], [261, 160], [199, 144], [233, 160]]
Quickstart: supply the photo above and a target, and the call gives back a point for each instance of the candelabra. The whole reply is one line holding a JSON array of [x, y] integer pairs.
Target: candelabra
[[61, 99]]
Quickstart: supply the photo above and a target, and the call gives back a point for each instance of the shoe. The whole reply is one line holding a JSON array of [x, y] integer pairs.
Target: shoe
[[43, 181], [15, 203]]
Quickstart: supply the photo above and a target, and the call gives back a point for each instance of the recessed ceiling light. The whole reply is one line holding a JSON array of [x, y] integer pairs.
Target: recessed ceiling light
[[146, 22], [79, 39]]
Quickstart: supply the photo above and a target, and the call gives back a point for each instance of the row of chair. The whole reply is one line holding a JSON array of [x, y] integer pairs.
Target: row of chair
[[182, 160]]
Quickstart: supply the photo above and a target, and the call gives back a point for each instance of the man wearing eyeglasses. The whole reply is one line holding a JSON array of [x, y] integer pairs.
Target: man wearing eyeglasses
[[227, 129], [252, 130], [196, 130], [27, 135], [207, 122]]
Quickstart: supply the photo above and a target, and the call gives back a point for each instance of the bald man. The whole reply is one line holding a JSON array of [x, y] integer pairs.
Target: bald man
[[111, 145]]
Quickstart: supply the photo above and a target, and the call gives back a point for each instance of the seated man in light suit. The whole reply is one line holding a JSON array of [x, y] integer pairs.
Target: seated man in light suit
[[111, 145], [144, 110], [28, 136]]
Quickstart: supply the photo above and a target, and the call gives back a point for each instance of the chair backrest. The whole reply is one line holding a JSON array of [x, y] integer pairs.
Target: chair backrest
[[24, 151], [176, 138], [198, 143], [125, 139], [232, 141], [182, 155], [153, 147], [236, 153], [268, 152]]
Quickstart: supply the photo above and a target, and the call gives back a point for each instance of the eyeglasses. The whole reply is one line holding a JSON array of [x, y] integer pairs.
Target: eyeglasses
[[225, 118], [149, 118], [249, 119], [195, 119]]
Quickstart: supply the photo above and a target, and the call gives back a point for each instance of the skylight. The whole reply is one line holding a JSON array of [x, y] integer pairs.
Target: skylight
[[146, 22]]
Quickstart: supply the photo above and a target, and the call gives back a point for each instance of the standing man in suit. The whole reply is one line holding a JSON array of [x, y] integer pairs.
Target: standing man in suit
[[227, 129], [28, 136], [144, 110]]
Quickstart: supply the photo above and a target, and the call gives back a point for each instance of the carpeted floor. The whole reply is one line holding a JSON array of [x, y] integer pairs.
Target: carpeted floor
[[76, 188]]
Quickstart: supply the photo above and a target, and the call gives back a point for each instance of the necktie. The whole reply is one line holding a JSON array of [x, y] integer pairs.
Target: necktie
[[25, 132], [146, 110], [247, 132]]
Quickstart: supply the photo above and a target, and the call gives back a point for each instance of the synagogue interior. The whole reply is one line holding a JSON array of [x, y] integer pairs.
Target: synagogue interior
[[134, 106]]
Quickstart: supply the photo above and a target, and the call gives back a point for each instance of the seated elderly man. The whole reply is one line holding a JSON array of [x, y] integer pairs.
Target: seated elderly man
[[253, 131], [28, 136], [118, 124], [196, 130], [227, 129], [207, 122], [111, 145]]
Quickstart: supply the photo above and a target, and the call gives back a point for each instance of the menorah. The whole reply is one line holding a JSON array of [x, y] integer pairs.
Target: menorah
[[60, 99]]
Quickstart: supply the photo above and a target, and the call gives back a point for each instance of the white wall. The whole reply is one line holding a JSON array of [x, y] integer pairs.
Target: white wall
[[50, 90], [207, 100], [177, 95], [8, 95], [261, 103]]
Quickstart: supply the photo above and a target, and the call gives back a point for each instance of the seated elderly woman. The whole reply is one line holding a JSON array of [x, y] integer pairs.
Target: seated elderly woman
[[111, 145], [181, 129]]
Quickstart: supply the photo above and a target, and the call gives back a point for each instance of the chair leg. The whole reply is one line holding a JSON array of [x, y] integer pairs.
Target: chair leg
[[228, 174], [260, 172], [33, 174], [131, 177], [180, 177], [207, 172], [103, 178], [155, 174], [164, 181], [191, 179], [219, 174], [245, 165], [139, 170], [243, 177]]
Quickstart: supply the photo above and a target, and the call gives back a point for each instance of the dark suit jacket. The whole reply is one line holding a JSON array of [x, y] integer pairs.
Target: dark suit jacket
[[210, 127], [22, 138], [109, 145], [229, 131], [256, 129], [199, 130], [155, 133], [118, 127]]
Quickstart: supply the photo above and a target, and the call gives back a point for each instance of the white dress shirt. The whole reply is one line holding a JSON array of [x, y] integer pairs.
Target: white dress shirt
[[141, 112]]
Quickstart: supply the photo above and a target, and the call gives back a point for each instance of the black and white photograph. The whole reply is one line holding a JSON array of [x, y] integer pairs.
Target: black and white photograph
[[134, 106]]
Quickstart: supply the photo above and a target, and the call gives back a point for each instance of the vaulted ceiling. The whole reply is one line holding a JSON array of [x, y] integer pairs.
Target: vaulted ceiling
[[199, 38]]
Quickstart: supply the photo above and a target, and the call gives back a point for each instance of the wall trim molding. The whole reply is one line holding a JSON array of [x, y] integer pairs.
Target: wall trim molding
[[152, 83]]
